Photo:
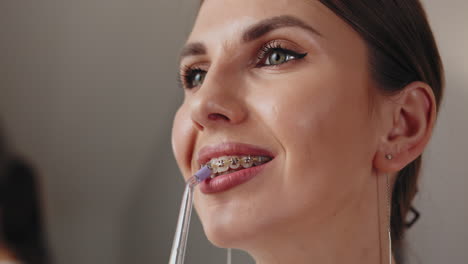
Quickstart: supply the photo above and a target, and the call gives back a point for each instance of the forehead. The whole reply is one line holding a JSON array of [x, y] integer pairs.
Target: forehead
[[220, 25], [227, 18], [223, 21]]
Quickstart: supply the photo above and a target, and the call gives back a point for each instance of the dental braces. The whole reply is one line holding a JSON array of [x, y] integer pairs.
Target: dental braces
[[223, 164]]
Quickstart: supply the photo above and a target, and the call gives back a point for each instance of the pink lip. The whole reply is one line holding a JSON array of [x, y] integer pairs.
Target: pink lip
[[227, 181]]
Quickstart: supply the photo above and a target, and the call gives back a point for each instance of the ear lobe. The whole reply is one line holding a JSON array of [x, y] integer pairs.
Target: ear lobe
[[410, 124]]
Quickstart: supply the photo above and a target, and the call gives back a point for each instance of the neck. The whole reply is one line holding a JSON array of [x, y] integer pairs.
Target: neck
[[352, 234]]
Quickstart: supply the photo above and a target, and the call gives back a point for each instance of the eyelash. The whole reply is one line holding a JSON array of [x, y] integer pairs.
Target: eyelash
[[188, 72], [273, 46]]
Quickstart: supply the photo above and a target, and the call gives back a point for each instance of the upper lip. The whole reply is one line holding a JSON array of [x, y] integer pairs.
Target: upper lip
[[206, 153]]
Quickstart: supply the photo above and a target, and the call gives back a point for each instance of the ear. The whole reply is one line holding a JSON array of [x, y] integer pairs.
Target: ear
[[408, 119]]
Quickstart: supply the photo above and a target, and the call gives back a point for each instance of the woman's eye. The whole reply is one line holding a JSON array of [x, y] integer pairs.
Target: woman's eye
[[198, 78], [278, 56], [193, 78]]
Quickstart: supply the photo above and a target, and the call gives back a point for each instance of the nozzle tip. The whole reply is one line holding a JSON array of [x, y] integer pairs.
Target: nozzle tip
[[203, 174]]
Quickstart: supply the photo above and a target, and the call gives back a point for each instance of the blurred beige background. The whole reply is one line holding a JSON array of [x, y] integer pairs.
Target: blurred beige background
[[88, 90]]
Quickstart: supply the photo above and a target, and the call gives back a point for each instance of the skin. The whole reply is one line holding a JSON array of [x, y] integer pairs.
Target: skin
[[5, 254], [323, 198]]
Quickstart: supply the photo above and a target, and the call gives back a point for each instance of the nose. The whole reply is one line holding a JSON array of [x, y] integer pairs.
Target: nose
[[218, 102]]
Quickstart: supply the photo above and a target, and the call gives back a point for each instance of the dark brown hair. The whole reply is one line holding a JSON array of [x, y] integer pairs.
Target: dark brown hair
[[402, 49]]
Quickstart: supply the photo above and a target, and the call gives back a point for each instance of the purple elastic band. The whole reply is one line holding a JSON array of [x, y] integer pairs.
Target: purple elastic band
[[203, 173]]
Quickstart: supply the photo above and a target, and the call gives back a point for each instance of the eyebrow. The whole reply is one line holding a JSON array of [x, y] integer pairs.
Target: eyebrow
[[253, 32], [265, 26], [193, 49]]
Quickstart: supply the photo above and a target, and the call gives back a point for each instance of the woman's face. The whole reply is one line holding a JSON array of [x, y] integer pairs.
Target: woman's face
[[289, 77]]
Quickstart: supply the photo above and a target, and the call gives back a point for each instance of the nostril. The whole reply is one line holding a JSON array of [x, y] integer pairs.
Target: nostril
[[217, 116]]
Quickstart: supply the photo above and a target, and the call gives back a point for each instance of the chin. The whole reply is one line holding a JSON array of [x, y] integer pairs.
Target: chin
[[225, 231], [221, 237]]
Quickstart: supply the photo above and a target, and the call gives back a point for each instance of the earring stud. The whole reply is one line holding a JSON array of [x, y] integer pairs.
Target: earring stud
[[389, 156]]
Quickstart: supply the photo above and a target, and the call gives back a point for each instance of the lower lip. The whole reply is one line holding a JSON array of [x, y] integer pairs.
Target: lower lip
[[227, 181]]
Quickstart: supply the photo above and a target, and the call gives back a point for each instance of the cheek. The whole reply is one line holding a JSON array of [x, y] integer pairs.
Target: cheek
[[309, 131], [182, 139], [323, 127]]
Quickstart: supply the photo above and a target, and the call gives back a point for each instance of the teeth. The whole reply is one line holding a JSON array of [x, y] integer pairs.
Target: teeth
[[259, 160], [246, 162], [222, 165], [234, 163], [214, 165]]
